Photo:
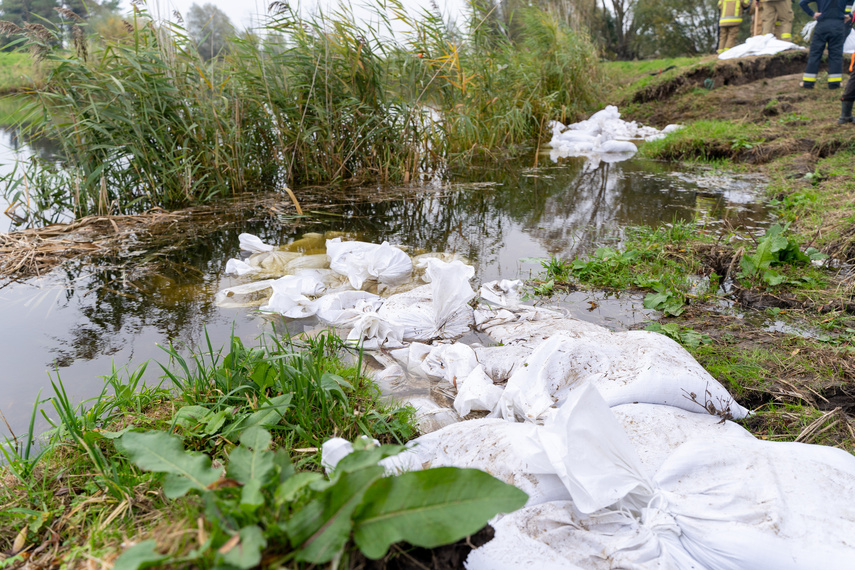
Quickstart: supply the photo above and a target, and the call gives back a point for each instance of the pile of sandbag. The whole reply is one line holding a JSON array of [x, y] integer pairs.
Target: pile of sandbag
[[759, 45], [623, 442], [647, 486], [603, 136]]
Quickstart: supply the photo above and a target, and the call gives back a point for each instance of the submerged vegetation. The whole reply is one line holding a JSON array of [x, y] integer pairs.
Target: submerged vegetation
[[143, 120], [223, 468]]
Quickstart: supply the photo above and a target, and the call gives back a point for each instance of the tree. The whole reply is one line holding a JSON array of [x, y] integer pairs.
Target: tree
[[210, 28], [668, 28]]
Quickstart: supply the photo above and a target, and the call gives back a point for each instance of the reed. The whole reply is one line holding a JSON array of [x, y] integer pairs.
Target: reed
[[144, 121]]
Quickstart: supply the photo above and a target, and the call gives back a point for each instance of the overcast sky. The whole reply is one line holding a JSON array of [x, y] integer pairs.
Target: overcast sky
[[245, 13]]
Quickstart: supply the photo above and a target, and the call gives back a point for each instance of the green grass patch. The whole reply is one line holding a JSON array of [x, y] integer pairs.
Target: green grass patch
[[706, 141], [623, 78], [222, 468], [17, 72]]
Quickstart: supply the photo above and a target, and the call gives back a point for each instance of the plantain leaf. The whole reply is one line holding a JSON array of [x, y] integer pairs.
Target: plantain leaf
[[160, 452], [246, 553], [320, 529], [430, 508]]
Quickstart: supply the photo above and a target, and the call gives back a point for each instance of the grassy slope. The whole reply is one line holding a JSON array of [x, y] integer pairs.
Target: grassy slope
[[803, 387]]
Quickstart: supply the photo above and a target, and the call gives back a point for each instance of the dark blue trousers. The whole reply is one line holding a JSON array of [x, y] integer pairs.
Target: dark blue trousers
[[831, 33]]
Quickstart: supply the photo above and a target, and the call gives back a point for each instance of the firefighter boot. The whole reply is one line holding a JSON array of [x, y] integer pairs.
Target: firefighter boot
[[845, 113]]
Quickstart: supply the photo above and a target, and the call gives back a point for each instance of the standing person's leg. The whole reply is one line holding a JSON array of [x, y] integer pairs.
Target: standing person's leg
[[731, 34], [786, 16], [817, 46], [769, 15], [835, 54]]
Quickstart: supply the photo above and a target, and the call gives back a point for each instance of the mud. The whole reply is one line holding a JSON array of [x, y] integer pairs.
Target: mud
[[406, 557], [726, 72]]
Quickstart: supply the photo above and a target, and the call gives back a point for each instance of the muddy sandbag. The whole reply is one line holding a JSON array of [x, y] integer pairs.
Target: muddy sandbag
[[657, 431], [476, 392], [234, 297], [290, 299], [504, 293], [530, 326], [439, 310], [500, 362], [450, 362], [700, 509], [362, 261], [274, 262], [343, 308], [626, 367]]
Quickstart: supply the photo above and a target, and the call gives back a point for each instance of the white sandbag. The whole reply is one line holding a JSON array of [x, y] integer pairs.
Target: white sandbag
[[232, 297], [476, 392], [239, 267], [362, 261], [373, 332], [253, 244], [512, 549], [439, 310], [700, 505], [603, 137], [430, 417], [530, 326], [508, 451], [500, 362], [504, 293], [343, 308], [626, 367], [411, 358], [609, 147], [289, 297], [450, 362], [656, 431], [759, 45]]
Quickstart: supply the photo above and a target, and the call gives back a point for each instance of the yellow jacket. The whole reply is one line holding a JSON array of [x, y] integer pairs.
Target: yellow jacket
[[731, 11]]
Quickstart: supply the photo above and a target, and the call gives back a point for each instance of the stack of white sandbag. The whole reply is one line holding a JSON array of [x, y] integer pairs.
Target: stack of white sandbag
[[648, 486], [766, 44], [604, 136]]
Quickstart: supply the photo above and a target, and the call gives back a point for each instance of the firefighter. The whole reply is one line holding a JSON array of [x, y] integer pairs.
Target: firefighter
[[728, 23], [830, 31], [777, 17]]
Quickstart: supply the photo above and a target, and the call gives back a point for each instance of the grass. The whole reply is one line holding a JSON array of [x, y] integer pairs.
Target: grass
[[626, 77], [705, 141], [82, 494], [17, 72]]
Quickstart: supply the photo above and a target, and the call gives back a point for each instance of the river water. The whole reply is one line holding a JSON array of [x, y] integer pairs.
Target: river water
[[81, 320]]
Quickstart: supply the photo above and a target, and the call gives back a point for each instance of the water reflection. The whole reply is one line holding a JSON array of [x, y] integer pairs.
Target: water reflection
[[82, 319]]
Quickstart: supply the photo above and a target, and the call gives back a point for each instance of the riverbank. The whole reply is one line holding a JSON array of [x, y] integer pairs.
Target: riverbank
[[777, 325]]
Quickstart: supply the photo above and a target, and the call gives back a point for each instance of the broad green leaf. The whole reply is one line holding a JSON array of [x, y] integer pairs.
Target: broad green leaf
[[163, 453], [142, 555], [247, 465], [321, 528], [216, 421], [256, 438], [287, 490], [283, 463], [189, 417], [247, 552], [430, 508], [655, 300], [773, 277], [250, 496]]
